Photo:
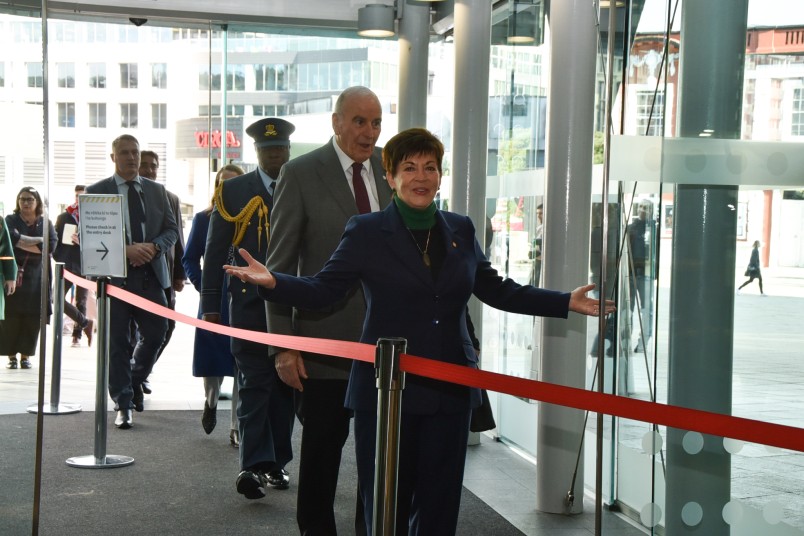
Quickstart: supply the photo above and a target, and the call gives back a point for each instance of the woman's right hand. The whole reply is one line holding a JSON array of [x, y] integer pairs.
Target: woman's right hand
[[254, 272], [10, 287]]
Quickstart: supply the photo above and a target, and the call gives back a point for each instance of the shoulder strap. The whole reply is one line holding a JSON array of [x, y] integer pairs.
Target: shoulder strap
[[256, 204]]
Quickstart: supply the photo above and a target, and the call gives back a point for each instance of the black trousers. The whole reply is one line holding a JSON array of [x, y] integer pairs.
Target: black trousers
[[77, 313], [325, 427], [151, 330]]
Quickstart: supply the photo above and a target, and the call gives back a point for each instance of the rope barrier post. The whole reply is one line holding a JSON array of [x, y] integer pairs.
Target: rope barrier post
[[390, 383], [55, 408], [101, 460]]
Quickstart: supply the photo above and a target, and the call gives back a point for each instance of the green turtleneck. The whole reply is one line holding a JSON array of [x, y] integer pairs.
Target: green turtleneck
[[414, 218]]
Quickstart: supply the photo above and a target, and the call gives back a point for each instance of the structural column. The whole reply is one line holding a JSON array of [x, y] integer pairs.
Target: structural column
[[470, 120], [414, 41], [713, 36], [567, 205]]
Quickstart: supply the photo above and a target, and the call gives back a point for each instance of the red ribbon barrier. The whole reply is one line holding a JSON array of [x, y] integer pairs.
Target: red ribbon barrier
[[706, 422]]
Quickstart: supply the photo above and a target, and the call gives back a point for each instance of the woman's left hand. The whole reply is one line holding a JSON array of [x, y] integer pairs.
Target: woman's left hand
[[583, 304], [254, 272]]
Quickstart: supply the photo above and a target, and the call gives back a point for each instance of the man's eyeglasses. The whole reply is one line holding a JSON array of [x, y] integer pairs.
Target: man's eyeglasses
[[27, 200]]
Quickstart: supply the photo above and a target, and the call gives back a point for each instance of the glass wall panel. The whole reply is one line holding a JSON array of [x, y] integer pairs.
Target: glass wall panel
[[760, 367], [21, 164]]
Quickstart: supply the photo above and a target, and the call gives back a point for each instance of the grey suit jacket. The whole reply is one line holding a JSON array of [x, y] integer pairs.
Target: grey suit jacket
[[312, 204], [160, 225]]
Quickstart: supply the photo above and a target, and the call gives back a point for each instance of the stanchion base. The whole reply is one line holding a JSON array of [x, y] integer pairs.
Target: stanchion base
[[91, 462], [61, 409]]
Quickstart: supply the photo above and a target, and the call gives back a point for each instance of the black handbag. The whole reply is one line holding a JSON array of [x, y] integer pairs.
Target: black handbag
[[482, 416]]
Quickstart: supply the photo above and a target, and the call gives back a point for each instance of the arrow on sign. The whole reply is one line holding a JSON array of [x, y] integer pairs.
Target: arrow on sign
[[105, 250]]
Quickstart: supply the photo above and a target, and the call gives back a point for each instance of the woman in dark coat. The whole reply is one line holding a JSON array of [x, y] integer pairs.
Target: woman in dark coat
[[212, 357], [19, 332], [753, 271], [418, 267]]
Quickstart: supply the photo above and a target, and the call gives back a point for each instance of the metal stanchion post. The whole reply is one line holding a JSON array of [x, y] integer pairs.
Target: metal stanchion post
[[55, 408], [390, 383], [101, 460]]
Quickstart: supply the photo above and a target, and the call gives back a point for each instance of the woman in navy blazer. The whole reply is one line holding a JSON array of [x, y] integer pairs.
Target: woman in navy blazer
[[212, 357], [418, 267]]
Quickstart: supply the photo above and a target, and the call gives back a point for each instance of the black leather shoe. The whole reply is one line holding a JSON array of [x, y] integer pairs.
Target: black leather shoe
[[251, 484], [138, 399], [146, 387], [210, 418], [278, 479], [124, 420]]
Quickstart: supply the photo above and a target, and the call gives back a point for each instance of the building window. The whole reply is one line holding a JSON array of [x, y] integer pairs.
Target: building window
[[269, 110], [204, 111], [97, 115], [649, 113], [66, 74], [237, 110], [236, 78], [66, 114], [271, 77], [128, 75], [207, 82], [159, 75], [96, 32], [97, 75], [128, 115], [35, 77], [159, 115], [797, 120]]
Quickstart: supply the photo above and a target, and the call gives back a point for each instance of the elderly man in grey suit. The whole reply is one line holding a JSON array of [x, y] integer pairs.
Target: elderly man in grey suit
[[151, 230], [316, 195]]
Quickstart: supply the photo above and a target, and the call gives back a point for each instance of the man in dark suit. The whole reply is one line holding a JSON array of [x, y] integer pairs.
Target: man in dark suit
[[151, 231], [240, 219], [68, 251], [316, 195], [149, 166]]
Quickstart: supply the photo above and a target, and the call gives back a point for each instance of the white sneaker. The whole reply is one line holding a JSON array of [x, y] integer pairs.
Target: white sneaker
[[764, 295], [739, 292]]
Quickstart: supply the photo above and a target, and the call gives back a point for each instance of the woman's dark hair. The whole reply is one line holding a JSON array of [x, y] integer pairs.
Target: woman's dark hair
[[411, 142], [31, 190], [232, 168]]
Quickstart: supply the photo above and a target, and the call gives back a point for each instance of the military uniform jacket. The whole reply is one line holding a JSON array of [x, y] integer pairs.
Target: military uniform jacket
[[246, 309]]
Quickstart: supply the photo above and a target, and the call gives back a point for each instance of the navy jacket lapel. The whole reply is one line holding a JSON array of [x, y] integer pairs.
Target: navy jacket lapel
[[453, 247], [402, 244]]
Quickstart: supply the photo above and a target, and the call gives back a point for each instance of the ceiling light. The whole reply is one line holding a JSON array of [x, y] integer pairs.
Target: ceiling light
[[375, 20]]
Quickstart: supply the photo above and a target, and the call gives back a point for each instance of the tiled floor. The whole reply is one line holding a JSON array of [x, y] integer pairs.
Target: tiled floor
[[769, 385]]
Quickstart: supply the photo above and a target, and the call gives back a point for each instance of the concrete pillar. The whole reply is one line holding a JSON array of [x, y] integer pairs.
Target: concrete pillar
[[414, 40], [568, 191], [472, 36], [713, 36], [471, 112]]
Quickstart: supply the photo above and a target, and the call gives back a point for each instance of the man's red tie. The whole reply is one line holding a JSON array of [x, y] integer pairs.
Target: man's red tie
[[361, 196]]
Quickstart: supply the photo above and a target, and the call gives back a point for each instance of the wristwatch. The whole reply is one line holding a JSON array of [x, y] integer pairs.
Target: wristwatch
[[158, 249]]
